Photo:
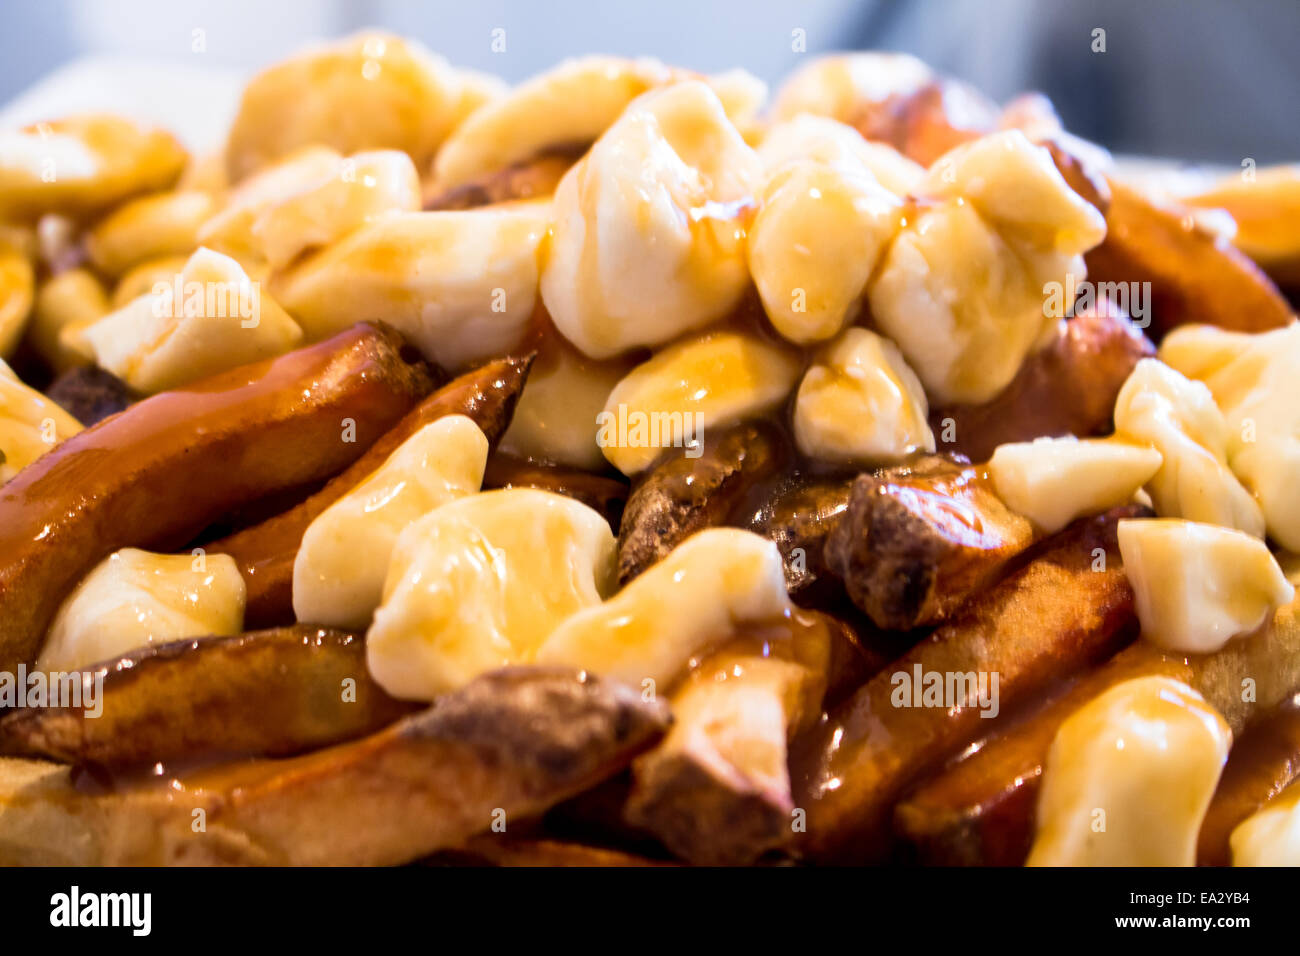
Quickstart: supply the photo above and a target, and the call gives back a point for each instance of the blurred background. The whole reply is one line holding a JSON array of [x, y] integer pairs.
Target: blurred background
[[1211, 80]]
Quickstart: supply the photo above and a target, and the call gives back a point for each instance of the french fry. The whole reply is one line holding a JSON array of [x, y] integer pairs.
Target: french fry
[[505, 747], [717, 790], [685, 493], [89, 394], [266, 551], [159, 472], [799, 515], [981, 810], [527, 180], [1068, 388], [1069, 607], [1267, 212], [598, 492], [1195, 276], [265, 693], [1263, 762], [917, 541], [926, 124]]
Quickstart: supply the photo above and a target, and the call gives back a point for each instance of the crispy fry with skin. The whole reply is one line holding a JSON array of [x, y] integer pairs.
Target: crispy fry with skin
[[598, 492], [159, 472], [716, 792], [1068, 388], [89, 394], [799, 515], [1039, 625], [1196, 277], [517, 740], [917, 541], [527, 180], [265, 693], [981, 810], [684, 494], [266, 551]]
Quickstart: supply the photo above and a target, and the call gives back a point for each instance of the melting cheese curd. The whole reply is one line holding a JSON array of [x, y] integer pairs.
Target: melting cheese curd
[[17, 291], [1197, 586], [361, 188], [338, 575], [698, 597], [480, 583], [1178, 417], [1271, 836], [210, 318], [30, 424], [964, 288], [1255, 380], [1052, 481], [648, 239], [461, 285], [1129, 777], [836, 144], [149, 228], [134, 598], [860, 404], [815, 242], [838, 86], [696, 384], [72, 300]]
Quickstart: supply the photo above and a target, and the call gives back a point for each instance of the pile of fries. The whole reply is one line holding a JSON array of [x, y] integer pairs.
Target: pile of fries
[[624, 469]]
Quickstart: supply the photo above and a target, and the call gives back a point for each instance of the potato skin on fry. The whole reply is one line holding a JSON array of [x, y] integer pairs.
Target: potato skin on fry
[[799, 515], [1041, 624], [517, 740], [917, 541], [682, 495], [981, 810], [1068, 388], [1196, 277], [166, 467], [266, 551], [264, 693], [527, 180]]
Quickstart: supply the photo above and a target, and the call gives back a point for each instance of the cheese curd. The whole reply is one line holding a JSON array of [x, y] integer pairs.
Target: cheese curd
[[230, 229], [338, 575], [368, 91], [74, 299], [1052, 481], [361, 188], [568, 106], [1129, 777], [134, 598], [461, 286], [1178, 417], [838, 86], [1197, 586], [1270, 836], [836, 144], [17, 291], [212, 317], [30, 424], [649, 228], [698, 383], [699, 596], [860, 404], [81, 164], [480, 583], [555, 419], [818, 234], [148, 228], [1015, 185], [1255, 381], [963, 290]]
